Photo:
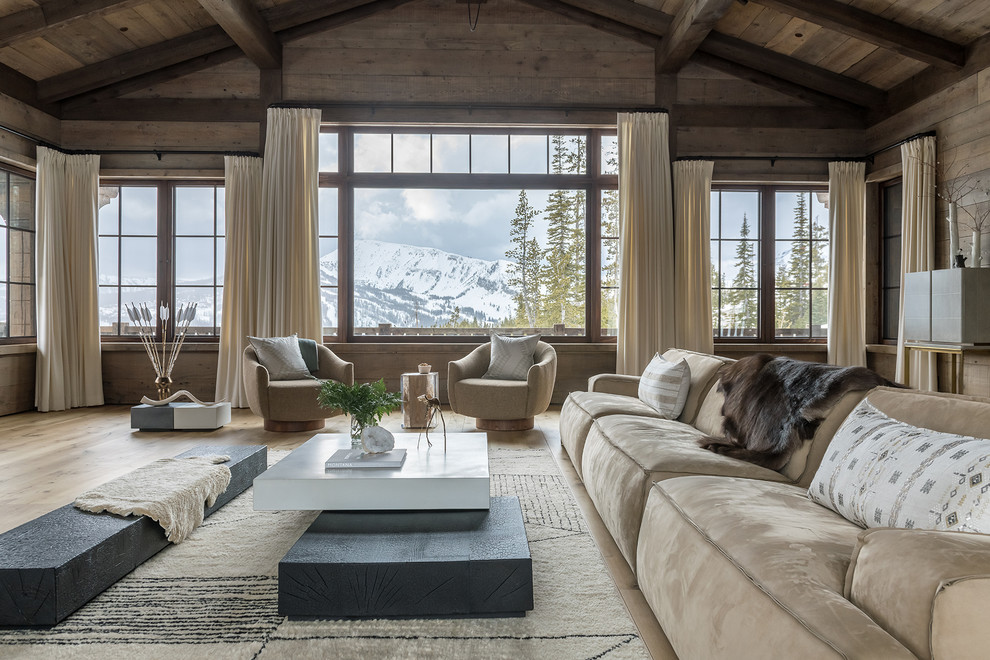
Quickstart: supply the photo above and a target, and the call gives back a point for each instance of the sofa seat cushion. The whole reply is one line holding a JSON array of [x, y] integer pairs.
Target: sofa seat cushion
[[625, 454], [295, 400], [580, 409], [485, 398], [760, 564]]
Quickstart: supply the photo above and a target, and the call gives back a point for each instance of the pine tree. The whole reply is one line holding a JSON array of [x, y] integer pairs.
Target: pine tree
[[745, 300], [794, 277], [819, 275], [526, 258]]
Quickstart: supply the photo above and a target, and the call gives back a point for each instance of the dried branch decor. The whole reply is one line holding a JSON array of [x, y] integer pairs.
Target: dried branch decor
[[162, 360]]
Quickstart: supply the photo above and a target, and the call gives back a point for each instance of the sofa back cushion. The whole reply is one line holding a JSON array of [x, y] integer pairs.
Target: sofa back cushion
[[882, 472], [709, 417], [704, 373]]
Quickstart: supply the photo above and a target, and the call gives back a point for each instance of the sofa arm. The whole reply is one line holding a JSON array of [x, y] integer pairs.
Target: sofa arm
[[926, 588], [614, 384]]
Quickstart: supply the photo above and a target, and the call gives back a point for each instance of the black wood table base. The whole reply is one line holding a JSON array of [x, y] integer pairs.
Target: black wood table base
[[410, 564], [55, 564]]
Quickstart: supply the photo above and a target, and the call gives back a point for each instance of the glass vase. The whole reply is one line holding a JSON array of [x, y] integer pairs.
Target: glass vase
[[356, 429]]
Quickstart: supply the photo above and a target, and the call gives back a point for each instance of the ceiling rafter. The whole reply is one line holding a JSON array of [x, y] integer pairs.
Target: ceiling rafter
[[693, 22], [243, 23], [628, 12], [598, 21], [874, 29], [792, 70], [198, 50], [786, 87], [32, 22]]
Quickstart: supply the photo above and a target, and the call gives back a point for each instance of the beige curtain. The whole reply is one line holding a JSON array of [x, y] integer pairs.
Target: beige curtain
[[692, 254], [69, 374], [242, 186], [917, 252], [646, 241], [847, 260], [289, 296]]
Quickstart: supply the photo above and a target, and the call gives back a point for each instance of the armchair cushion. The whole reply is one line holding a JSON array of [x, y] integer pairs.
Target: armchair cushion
[[511, 357], [281, 357]]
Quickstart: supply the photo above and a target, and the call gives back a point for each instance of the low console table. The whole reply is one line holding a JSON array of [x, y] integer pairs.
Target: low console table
[[422, 540]]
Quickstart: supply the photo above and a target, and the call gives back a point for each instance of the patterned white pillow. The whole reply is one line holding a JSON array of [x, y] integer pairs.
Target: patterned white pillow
[[511, 357], [664, 386], [881, 472], [281, 356]]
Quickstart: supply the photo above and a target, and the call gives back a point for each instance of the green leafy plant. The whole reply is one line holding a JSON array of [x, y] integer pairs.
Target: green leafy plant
[[366, 403]]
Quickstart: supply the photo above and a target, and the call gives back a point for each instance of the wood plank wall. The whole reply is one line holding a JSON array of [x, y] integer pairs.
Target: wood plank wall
[[960, 115]]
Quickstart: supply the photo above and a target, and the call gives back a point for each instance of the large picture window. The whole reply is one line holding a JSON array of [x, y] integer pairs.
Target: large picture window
[[769, 263], [458, 232], [17, 241]]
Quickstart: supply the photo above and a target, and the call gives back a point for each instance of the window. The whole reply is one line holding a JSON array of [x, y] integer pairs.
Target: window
[[17, 244], [766, 234], [199, 254], [890, 261], [458, 232], [144, 228], [128, 254]]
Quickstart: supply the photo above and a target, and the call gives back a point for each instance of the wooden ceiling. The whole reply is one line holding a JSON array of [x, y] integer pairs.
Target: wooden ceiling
[[855, 55]]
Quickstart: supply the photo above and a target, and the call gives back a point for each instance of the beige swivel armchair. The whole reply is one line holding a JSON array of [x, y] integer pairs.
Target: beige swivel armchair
[[290, 405], [501, 405]]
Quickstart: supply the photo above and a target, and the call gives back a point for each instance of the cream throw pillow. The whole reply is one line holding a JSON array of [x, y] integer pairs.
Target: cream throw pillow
[[881, 472], [281, 356], [511, 357], [664, 386]]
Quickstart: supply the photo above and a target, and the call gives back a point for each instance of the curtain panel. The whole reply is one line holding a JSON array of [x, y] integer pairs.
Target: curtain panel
[[242, 183], [917, 249], [847, 263], [692, 255], [288, 266], [69, 373], [646, 241]]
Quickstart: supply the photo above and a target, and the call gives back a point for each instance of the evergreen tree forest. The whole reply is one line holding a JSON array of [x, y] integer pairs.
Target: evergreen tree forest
[[549, 277], [802, 264]]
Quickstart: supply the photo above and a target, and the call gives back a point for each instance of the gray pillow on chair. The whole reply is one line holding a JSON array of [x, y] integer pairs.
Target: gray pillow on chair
[[511, 357], [281, 356]]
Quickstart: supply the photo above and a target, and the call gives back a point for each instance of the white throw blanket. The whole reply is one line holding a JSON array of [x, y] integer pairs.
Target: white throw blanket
[[171, 491]]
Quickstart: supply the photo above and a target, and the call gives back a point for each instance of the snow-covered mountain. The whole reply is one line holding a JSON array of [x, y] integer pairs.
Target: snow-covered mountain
[[411, 286]]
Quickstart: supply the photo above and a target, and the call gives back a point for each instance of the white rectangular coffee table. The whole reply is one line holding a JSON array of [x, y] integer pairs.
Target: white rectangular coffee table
[[428, 480]]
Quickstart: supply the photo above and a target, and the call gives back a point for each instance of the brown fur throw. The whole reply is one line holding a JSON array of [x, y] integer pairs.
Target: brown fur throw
[[773, 404]]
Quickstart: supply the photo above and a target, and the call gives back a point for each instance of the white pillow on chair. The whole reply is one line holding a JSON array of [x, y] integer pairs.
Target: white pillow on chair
[[281, 356]]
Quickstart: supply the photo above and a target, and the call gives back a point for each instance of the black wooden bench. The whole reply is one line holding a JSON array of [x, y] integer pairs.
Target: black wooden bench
[[55, 564]]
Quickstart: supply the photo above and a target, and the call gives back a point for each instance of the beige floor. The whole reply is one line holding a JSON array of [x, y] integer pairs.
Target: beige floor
[[46, 459]]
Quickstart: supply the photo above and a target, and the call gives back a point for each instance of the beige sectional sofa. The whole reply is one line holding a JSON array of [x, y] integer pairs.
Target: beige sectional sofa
[[737, 562]]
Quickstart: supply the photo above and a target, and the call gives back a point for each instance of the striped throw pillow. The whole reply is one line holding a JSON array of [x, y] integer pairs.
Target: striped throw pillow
[[664, 386]]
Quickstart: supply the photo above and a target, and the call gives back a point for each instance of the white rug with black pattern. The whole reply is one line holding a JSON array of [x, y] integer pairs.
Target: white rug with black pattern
[[214, 596]]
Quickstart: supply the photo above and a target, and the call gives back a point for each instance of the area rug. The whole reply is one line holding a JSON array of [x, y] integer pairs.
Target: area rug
[[215, 595]]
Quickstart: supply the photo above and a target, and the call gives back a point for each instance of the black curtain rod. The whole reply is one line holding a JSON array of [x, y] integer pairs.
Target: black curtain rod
[[914, 137], [469, 107], [774, 159]]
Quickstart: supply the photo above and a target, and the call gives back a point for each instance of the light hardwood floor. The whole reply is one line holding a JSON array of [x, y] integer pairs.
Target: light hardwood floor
[[46, 459]]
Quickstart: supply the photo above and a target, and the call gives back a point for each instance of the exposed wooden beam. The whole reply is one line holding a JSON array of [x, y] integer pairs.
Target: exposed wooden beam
[[792, 70], [763, 79], [871, 28], [193, 52], [691, 25], [242, 23], [31, 22], [194, 110], [628, 12], [134, 63], [595, 20], [761, 116]]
